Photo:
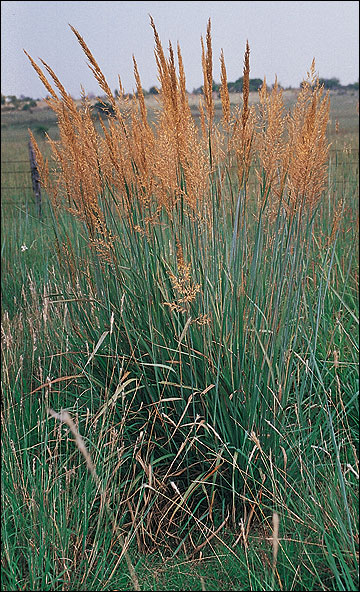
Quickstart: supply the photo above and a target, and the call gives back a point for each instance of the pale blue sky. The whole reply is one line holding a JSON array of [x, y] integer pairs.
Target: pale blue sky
[[283, 38]]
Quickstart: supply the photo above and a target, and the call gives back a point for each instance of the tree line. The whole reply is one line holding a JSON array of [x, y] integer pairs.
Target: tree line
[[27, 103]]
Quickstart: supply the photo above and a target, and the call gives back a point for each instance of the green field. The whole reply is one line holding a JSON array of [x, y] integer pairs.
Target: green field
[[209, 360]]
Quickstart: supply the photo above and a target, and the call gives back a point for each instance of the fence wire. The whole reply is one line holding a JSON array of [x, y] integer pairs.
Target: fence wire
[[26, 174]]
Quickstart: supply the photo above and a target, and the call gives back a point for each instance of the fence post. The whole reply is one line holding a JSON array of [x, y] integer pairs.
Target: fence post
[[35, 177]]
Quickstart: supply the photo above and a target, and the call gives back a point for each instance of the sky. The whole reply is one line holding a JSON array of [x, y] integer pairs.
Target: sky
[[284, 37]]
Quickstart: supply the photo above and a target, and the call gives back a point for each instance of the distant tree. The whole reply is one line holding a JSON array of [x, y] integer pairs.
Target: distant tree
[[104, 109], [14, 101], [255, 84], [330, 83], [3, 99], [153, 90], [236, 86], [41, 130], [353, 86]]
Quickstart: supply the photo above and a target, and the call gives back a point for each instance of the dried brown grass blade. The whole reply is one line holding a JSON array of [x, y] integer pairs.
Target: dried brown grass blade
[[51, 382]]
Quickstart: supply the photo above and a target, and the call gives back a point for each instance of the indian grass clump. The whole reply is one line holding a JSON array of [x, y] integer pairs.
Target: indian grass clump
[[198, 325]]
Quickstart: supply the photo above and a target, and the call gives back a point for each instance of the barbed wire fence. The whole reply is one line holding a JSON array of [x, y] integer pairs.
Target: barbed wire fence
[[26, 176]]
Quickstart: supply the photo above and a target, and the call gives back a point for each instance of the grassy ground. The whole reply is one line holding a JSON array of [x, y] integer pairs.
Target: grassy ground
[[196, 504]]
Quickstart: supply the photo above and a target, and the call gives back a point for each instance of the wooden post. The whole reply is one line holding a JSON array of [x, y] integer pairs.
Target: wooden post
[[35, 177]]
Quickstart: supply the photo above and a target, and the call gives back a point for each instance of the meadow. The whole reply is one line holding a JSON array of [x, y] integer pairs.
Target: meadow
[[180, 338]]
